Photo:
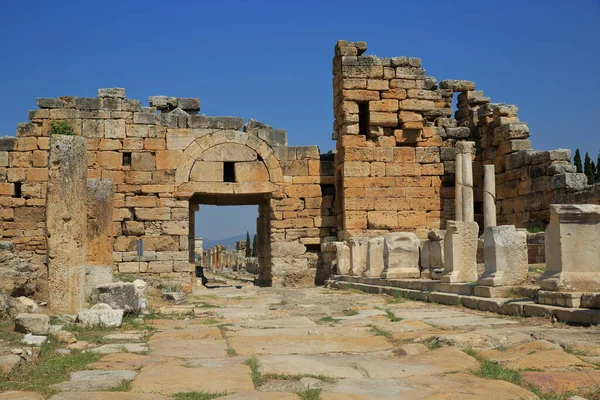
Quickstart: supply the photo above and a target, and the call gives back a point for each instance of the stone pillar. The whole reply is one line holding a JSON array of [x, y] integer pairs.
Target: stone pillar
[[572, 249], [100, 197], [505, 250], [336, 257], [489, 195], [466, 150], [460, 252], [358, 254], [99, 244], [374, 258], [401, 256], [66, 223], [458, 185]]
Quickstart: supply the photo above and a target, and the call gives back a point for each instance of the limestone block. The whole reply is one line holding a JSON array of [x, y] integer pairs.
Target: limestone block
[[436, 254], [401, 256], [96, 275], [572, 251], [37, 324], [460, 252], [99, 246], [337, 256], [66, 222], [253, 171], [229, 152], [119, 295], [101, 315], [506, 261], [205, 171], [358, 246], [374, 257], [115, 93]]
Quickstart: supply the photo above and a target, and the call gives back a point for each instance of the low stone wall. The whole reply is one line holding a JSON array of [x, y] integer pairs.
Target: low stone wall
[[483, 298]]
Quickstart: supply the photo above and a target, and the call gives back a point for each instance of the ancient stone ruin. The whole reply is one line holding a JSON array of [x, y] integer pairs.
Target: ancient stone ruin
[[405, 166]]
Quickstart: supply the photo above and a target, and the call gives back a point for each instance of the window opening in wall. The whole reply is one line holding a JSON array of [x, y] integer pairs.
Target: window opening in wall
[[313, 248], [127, 159], [363, 117], [18, 192], [228, 171]]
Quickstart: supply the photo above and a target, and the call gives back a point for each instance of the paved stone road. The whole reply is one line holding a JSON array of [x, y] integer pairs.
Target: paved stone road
[[349, 345]]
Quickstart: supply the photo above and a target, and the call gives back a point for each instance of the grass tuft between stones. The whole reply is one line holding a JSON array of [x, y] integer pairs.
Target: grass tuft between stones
[[124, 386], [254, 371], [198, 395], [492, 370], [433, 343], [381, 332], [391, 316], [310, 394], [329, 319]]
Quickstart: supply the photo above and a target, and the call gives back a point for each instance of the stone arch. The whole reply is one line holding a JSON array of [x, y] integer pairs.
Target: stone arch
[[195, 150]]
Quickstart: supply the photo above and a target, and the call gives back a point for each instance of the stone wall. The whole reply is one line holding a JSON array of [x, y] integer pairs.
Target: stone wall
[[159, 159]]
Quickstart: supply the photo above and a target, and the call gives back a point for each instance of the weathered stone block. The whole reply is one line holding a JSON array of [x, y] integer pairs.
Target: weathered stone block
[[358, 246], [36, 324], [572, 251], [460, 252], [116, 93], [401, 256], [119, 295], [375, 264], [505, 256]]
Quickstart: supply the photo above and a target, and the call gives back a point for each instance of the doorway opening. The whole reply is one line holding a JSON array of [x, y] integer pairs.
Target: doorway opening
[[229, 233]]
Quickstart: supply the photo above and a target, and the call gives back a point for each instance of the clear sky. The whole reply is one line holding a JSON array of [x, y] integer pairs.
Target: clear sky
[[271, 60]]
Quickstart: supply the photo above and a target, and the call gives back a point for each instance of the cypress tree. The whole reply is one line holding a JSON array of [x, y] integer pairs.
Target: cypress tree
[[577, 161], [593, 173], [254, 246], [587, 169], [248, 246], [598, 169]]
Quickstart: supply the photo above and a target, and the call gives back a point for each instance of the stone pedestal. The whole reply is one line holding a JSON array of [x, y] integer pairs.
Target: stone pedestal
[[505, 249], [358, 254], [374, 258], [489, 195], [466, 150], [401, 256], [337, 256], [66, 223], [460, 252], [572, 249]]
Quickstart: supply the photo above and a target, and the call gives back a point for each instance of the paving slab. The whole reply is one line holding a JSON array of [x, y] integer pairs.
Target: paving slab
[[563, 381], [306, 344], [190, 332], [94, 380], [438, 361], [130, 361], [14, 395], [292, 322], [121, 348], [107, 396], [539, 354], [260, 396], [167, 379], [300, 365], [189, 349]]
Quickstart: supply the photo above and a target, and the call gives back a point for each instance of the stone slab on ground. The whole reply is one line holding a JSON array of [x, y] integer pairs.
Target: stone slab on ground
[[14, 395], [563, 381], [291, 322], [189, 349], [124, 336], [540, 354], [130, 361], [438, 361], [94, 380], [167, 379], [299, 365], [306, 344], [187, 333], [260, 395], [121, 348], [107, 396]]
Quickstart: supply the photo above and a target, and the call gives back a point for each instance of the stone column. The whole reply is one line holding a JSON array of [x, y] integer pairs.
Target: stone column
[[401, 256], [99, 245], [572, 249], [460, 252], [505, 250], [466, 150], [458, 184], [489, 195], [66, 223], [374, 257]]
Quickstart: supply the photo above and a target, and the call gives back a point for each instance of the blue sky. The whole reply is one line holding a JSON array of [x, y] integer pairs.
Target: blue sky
[[271, 60]]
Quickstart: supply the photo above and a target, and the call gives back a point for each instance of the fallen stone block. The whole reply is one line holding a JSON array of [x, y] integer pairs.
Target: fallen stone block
[[37, 324], [119, 295], [101, 315], [34, 340]]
